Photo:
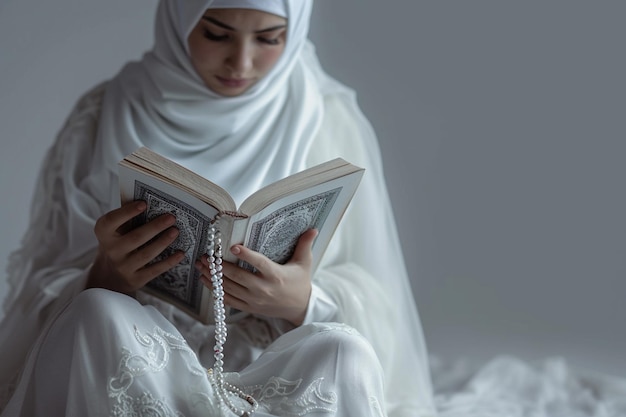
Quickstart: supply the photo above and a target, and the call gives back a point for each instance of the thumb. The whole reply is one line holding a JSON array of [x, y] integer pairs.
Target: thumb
[[302, 253]]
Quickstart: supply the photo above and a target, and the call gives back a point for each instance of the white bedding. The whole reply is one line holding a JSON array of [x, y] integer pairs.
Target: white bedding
[[510, 387]]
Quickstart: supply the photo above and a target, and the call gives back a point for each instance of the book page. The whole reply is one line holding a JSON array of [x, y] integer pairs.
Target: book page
[[169, 172], [294, 183], [180, 285], [275, 230]]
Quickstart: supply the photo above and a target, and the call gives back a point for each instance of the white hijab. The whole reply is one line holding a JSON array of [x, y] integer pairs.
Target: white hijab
[[241, 143]]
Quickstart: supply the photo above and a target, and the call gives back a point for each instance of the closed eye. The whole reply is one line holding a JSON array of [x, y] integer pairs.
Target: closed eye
[[213, 37], [269, 41]]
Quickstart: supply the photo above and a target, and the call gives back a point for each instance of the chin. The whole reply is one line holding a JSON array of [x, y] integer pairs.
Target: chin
[[228, 91]]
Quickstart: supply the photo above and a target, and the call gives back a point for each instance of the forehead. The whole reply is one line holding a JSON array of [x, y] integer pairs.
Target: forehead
[[245, 20]]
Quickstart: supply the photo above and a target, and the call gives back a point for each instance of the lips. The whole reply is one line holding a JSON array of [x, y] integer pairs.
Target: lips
[[233, 82]]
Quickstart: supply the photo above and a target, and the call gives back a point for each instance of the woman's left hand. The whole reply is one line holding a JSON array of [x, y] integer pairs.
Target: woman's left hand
[[275, 290]]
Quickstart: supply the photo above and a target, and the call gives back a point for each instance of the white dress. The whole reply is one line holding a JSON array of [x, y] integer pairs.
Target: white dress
[[138, 363], [100, 353], [135, 363]]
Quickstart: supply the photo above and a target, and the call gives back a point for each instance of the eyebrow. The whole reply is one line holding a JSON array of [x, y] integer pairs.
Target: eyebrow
[[225, 26]]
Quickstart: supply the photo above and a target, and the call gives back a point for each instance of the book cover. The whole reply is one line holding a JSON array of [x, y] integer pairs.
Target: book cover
[[270, 221]]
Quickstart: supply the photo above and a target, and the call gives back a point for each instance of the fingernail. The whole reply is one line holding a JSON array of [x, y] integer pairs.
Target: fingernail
[[141, 205], [235, 250]]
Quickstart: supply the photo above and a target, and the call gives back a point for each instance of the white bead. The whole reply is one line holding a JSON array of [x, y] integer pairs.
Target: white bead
[[222, 388]]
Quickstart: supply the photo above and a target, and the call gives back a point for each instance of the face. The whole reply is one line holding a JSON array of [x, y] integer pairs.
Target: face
[[232, 49]]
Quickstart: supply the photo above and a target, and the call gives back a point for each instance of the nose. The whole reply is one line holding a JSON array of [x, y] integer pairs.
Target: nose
[[240, 59]]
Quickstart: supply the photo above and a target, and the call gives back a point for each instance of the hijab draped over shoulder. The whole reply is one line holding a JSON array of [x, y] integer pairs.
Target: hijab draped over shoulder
[[240, 143], [280, 125]]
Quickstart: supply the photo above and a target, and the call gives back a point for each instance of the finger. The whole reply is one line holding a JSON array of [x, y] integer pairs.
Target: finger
[[237, 303], [204, 267], [302, 253], [107, 225], [138, 237], [235, 289], [231, 275], [229, 299], [149, 272], [259, 261], [144, 255], [240, 275]]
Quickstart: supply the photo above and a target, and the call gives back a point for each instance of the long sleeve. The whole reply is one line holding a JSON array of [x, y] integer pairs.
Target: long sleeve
[[363, 270], [361, 280], [51, 265]]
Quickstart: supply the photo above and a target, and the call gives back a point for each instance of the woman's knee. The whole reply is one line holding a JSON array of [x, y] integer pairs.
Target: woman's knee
[[97, 306], [346, 342]]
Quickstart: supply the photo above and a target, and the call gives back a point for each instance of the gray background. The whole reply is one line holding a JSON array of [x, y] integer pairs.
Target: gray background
[[503, 133]]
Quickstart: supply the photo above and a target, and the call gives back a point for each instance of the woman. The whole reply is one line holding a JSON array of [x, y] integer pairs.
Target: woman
[[233, 91]]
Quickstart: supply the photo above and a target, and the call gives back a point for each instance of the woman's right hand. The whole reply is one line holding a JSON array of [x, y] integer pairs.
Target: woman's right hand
[[123, 260]]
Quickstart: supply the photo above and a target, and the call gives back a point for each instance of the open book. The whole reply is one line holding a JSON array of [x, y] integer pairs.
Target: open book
[[269, 221]]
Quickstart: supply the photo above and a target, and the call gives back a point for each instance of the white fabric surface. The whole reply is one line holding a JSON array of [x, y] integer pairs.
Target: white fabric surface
[[143, 366], [296, 117], [361, 280], [344, 289], [507, 386], [276, 7], [240, 143]]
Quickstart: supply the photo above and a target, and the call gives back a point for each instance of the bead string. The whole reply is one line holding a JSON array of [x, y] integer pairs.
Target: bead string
[[216, 374]]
